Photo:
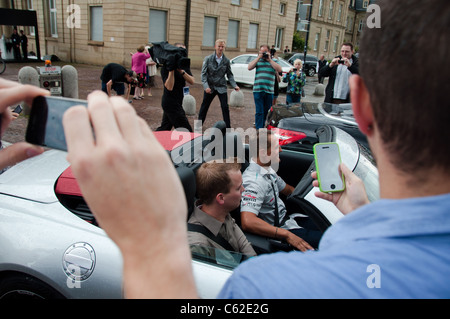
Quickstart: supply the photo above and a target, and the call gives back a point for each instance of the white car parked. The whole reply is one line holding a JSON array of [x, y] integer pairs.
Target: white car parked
[[239, 66]]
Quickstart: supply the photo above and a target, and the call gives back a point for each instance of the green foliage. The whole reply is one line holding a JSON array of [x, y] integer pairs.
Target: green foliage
[[298, 42]]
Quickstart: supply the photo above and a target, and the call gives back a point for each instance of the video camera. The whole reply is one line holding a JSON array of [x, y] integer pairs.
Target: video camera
[[172, 57]]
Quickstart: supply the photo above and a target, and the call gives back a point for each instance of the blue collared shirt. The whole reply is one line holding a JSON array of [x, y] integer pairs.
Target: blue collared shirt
[[388, 249]]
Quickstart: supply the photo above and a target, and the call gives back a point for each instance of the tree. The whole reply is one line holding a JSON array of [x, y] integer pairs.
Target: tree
[[298, 42]]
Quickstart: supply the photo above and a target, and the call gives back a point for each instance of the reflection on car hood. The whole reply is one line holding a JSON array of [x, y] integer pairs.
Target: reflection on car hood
[[34, 179]]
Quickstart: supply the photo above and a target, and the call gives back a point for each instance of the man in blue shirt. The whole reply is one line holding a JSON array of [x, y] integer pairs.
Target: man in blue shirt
[[398, 247]]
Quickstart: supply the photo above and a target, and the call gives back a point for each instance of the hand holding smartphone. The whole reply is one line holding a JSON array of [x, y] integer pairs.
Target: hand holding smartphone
[[45, 126], [327, 158], [18, 109]]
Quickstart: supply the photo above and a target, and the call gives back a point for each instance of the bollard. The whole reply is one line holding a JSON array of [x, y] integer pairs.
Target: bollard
[[189, 105], [319, 90], [237, 98], [28, 75], [63, 83], [70, 81]]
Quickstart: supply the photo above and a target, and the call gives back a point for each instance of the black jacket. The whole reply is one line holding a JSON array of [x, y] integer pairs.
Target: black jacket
[[326, 71]]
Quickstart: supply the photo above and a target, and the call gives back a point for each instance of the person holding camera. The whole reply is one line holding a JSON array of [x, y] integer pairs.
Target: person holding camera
[[263, 87], [296, 80], [175, 73], [339, 72]]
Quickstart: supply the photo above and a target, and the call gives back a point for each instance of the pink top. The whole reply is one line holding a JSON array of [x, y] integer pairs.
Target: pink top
[[138, 62]]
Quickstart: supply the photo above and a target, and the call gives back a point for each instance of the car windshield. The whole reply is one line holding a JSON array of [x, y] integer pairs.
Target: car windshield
[[356, 156], [283, 63], [366, 170], [342, 112]]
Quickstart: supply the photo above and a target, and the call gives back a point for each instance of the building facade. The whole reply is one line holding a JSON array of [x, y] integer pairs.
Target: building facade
[[333, 22], [102, 31]]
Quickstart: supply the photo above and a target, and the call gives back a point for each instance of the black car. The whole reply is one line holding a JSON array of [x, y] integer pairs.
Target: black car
[[306, 117], [310, 67]]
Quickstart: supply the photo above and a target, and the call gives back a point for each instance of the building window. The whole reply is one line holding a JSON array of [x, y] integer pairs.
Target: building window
[[209, 31], [236, 2], [31, 7], [157, 26], [330, 13], [282, 9], [350, 24], [96, 23], [327, 41], [316, 42], [335, 44], [365, 4], [279, 38], [256, 4], [53, 20], [252, 41], [320, 12], [233, 33], [341, 7], [361, 25]]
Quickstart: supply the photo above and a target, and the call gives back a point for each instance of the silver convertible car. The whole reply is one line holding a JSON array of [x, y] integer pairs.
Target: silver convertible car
[[52, 247]]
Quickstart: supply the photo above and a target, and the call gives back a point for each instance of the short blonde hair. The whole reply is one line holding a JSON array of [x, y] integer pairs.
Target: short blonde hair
[[218, 41], [298, 60]]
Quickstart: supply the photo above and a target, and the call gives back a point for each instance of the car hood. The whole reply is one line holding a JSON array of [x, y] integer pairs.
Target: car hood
[[34, 179]]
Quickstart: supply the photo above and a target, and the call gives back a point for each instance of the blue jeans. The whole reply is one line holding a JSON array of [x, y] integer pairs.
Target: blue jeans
[[292, 98], [118, 87], [263, 102]]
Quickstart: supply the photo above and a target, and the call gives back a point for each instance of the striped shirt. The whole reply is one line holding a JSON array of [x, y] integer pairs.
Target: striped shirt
[[264, 77]]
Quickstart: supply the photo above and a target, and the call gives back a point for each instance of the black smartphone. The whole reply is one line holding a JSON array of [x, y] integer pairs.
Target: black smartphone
[[45, 126], [18, 109]]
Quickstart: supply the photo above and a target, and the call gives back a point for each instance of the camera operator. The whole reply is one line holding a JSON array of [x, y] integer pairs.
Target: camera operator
[[339, 70], [263, 88], [175, 73]]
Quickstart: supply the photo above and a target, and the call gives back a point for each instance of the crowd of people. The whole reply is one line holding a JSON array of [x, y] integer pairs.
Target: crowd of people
[[406, 233]]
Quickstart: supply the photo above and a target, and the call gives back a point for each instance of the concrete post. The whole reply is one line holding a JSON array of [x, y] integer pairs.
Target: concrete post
[[319, 90], [189, 105], [28, 75], [70, 81], [237, 98]]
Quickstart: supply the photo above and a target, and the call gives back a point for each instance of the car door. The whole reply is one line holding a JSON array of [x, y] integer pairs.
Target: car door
[[239, 65], [249, 76]]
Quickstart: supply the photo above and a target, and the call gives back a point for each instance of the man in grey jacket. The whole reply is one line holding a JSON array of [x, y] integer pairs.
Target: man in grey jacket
[[215, 67]]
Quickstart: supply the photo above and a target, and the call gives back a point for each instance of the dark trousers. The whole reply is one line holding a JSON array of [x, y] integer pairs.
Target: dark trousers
[[309, 233], [173, 116], [207, 99]]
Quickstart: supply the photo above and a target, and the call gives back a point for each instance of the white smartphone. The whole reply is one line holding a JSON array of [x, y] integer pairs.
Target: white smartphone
[[328, 159]]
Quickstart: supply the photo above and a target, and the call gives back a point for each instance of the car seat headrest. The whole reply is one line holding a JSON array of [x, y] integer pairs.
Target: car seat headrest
[[187, 178]]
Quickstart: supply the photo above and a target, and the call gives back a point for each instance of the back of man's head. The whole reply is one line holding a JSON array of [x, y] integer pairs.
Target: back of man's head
[[403, 65]]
